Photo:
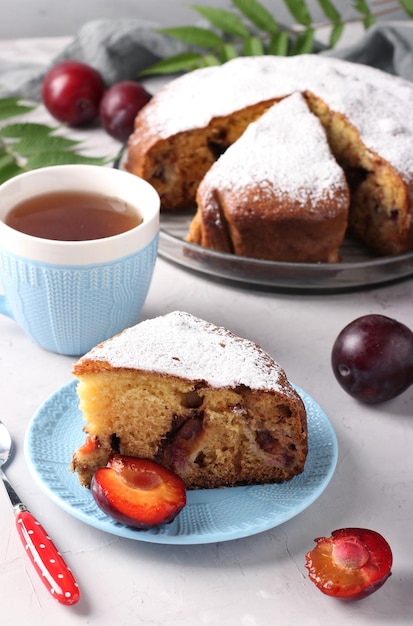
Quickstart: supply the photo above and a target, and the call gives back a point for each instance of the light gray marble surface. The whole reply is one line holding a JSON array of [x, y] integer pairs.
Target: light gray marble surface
[[255, 581]]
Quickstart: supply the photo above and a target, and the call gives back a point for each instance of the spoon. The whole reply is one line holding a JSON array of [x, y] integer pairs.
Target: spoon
[[44, 555]]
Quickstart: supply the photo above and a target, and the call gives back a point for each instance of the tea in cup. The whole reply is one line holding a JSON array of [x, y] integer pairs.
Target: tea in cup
[[78, 245]]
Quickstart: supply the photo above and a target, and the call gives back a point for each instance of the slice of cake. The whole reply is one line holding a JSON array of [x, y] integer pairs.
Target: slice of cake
[[277, 193], [212, 407]]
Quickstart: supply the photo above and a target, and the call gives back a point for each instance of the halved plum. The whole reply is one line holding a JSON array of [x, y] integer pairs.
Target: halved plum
[[351, 564], [138, 492]]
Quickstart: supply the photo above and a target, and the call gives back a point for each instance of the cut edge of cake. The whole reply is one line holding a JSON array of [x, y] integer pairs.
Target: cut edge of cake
[[212, 407]]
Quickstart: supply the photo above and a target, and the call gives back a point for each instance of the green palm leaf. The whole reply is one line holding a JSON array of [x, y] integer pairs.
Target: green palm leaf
[[304, 44], [257, 15], [329, 10], [46, 159], [299, 11], [26, 146], [222, 19], [177, 63], [228, 36], [228, 52], [8, 166], [363, 7], [407, 5], [193, 36], [335, 34], [10, 107], [279, 44], [30, 145], [253, 47]]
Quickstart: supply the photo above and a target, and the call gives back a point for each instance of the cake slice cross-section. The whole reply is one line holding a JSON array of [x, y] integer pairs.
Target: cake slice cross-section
[[212, 407]]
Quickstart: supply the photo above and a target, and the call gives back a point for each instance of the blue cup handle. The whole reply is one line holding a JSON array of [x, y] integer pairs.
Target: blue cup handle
[[4, 307]]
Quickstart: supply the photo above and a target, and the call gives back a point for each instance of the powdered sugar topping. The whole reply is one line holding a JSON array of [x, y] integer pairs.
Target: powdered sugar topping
[[373, 100], [182, 345], [284, 153]]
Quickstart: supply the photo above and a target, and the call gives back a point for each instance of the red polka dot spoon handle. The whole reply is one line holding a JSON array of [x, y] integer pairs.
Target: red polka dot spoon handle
[[47, 560]]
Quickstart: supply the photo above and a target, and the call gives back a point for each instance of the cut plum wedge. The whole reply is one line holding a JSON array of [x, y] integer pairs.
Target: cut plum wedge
[[138, 492], [351, 564]]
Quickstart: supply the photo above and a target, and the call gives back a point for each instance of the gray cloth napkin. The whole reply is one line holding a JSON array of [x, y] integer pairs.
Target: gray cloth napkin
[[388, 47], [121, 48]]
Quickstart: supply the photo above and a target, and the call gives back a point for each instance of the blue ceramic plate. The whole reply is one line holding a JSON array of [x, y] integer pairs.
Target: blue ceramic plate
[[211, 515]]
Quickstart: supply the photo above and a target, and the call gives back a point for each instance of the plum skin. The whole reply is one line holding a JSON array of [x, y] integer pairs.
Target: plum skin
[[120, 105], [139, 493], [72, 91], [351, 564], [372, 358]]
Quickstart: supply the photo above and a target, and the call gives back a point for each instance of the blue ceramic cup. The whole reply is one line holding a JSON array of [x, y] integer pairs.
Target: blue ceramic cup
[[68, 296]]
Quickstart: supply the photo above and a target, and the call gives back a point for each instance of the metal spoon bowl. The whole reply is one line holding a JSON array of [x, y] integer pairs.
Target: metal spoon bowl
[[6, 444]]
